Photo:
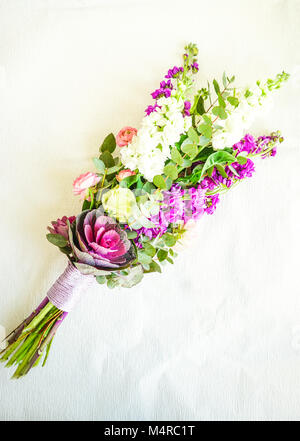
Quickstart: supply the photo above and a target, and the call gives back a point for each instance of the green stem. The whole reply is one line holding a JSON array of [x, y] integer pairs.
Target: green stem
[[33, 324]]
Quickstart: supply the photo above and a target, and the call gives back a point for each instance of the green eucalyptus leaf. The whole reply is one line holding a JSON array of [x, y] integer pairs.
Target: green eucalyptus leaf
[[159, 181], [101, 279], [113, 170], [171, 172], [186, 163], [109, 143], [113, 282], [203, 142], [216, 86], [221, 101], [57, 240], [176, 156], [132, 278], [143, 257], [193, 135], [206, 130], [100, 166], [207, 119], [233, 101], [149, 249], [190, 149], [220, 112], [169, 239], [154, 267], [91, 270], [224, 79], [162, 255]]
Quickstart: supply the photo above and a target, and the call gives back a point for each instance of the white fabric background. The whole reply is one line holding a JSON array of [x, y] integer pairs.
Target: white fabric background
[[217, 336]]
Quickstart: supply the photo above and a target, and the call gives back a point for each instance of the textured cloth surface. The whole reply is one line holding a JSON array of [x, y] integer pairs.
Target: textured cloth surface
[[217, 335]]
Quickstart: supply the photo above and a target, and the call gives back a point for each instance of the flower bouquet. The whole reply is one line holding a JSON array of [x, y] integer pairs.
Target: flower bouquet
[[192, 146]]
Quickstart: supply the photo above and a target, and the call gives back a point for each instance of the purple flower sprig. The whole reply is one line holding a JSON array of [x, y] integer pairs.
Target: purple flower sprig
[[182, 73], [263, 146], [175, 72], [165, 88], [216, 184]]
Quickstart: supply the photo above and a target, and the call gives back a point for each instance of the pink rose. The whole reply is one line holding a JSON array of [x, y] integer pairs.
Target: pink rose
[[125, 136], [83, 182], [124, 174]]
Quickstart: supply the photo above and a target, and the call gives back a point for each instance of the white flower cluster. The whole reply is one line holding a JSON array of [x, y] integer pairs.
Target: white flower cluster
[[150, 149], [239, 119]]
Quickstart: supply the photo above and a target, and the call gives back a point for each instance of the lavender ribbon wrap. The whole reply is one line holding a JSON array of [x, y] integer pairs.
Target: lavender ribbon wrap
[[68, 288]]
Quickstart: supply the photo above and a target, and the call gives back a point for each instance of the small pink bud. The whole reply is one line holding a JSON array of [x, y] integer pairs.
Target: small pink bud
[[124, 174]]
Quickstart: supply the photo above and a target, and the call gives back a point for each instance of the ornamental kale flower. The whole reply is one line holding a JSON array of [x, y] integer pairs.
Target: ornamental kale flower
[[98, 241], [60, 226]]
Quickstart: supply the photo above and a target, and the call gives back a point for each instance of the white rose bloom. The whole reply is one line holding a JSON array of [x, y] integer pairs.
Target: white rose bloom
[[129, 156], [152, 164], [219, 140], [147, 141]]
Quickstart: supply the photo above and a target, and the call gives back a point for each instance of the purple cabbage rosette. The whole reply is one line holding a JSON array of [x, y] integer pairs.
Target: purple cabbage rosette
[[99, 244]]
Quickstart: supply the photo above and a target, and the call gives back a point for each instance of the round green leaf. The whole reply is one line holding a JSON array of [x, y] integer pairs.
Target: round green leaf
[[171, 171], [190, 149], [162, 255], [100, 166], [159, 181], [149, 249], [169, 240], [101, 279], [176, 156], [193, 135]]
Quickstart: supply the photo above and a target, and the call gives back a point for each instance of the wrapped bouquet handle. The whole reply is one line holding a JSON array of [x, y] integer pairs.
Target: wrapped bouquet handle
[[65, 293], [27, 342], [192, 146]]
